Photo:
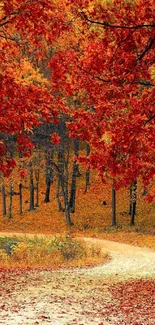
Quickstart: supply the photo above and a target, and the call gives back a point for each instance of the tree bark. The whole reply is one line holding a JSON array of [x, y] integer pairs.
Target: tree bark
[[76, 152], [87, 176], [20, 199], [114, 222], [49, 175], [66, 199], [133, 203], [61, 161], [10, 202], [37, 174], [58, 197], [73, 188], [130, 203], [31, 207], [3, 201]]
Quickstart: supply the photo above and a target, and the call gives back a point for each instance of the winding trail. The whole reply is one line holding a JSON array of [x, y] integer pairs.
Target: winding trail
[[78, 296], [127, 261]]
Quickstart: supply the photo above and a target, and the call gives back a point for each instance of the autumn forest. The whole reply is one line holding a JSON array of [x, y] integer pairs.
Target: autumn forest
[[77, 147]]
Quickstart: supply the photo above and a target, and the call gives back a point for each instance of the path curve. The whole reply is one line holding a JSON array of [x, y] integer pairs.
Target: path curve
[[127, 261], [76, 296]]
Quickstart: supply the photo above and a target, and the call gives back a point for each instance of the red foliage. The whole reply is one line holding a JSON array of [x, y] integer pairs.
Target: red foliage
[[133, 302], [55, 138], [108, 69], [111, 69]]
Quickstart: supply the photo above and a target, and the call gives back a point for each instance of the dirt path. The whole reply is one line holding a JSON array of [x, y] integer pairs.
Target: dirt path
[[127, 261], [78, 296]]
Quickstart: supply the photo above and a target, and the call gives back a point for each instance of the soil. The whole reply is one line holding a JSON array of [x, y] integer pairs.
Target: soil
[[76, 296]]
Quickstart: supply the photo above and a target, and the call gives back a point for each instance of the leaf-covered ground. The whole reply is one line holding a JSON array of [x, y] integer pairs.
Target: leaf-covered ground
[[90, 218], [81, 296], [42, 297]]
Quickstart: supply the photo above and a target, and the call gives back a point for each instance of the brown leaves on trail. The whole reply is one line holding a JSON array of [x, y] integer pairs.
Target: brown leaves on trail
[[67, 298], [133, 303]]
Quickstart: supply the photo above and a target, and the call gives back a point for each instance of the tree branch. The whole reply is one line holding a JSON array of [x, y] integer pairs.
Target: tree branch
[[146, 49], [106, 24], [150, 119], [93, 76]]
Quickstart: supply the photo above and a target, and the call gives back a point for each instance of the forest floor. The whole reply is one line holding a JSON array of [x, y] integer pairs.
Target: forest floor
[[121, 292]]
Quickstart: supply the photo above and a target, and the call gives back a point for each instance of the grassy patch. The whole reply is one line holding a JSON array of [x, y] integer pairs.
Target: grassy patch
[[55, 252]]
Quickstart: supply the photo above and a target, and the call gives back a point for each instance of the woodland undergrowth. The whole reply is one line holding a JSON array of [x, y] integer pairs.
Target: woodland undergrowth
[[91, 218]]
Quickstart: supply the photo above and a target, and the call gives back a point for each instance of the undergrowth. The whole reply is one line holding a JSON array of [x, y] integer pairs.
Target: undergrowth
[[92, 216], [54, 252]]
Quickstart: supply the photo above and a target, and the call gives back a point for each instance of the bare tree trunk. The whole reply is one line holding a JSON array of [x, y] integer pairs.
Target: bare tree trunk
[[66, 196], [73, 189], [130, 202], [20, 199], [76, 152], [61, 161], [75, 174], [58, 195], [114, 222], [3, 201], [31, 207], [60, 180], [88, 170], [49, 175], [37, 174], [133, 203], [10, 202]]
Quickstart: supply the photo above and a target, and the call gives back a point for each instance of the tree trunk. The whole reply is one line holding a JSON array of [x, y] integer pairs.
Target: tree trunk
[[31, 207], [114, 223], [63, 174], [10, 202], [3, 201], [57, 195], [20, 199], [88, 170], [75, 174], [37, 174], [130, 203], [133, 203], [60, 180], [76, 152], [49, 175], [48, 187], [60, 191], [73, 189], [66, 199]]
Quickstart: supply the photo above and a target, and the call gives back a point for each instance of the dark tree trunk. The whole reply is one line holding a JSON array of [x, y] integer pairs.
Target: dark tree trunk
[[3, 201], [76, 152], [73, 188], [88, 170], [58, 195], [63, 172], [49, 175], [20, 199], [48, 187], [66, 198], [60, 191], [31, 207], [130, 203], [10, 202], [133, 203], [114, 222], [37, 174], [60, 180], [75, 174]]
